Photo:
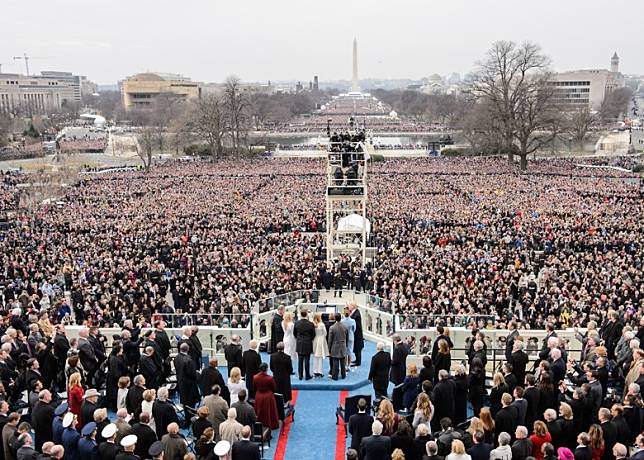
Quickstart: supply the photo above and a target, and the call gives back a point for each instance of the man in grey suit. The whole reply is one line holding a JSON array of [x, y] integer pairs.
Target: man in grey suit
[[338, 337]]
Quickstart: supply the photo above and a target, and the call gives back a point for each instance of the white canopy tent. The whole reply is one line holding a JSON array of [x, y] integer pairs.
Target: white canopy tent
[[354, 223]]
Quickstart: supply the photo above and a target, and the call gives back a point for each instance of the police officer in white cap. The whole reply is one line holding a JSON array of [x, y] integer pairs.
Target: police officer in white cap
[[222, 450], [108, 450], [128, 443]]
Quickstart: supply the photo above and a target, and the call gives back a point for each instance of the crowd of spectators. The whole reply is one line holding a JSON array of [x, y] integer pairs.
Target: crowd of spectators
[[463, 236]]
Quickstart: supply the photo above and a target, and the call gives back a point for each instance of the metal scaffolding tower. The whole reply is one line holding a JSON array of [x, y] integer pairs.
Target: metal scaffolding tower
[[347, 227]]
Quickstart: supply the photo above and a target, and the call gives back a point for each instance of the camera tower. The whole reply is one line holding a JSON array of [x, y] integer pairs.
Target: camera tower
[[347, 227]]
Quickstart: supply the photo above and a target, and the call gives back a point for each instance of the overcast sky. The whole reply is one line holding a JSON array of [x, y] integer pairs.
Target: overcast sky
[[260, 40]]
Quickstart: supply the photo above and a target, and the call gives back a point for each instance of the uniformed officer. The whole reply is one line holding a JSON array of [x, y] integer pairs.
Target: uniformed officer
[[70, 436], [156, 450], [128, 443], [57, 423], [108, 450], [87, 446]]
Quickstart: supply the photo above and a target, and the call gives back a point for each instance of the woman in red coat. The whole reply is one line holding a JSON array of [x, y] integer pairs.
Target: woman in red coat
[[265, 405], [75, 394]]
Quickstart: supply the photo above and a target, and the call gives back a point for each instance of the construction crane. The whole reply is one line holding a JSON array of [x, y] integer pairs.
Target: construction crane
[[26, 59]]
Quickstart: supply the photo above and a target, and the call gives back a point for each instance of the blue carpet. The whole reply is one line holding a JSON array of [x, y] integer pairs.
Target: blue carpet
[[355, 379], [313, 434]]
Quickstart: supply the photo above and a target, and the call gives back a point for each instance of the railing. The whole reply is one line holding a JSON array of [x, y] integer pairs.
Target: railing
[[223, 320]]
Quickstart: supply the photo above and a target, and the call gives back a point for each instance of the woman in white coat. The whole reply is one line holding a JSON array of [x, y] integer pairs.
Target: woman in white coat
[[289, 338], [320, 346]]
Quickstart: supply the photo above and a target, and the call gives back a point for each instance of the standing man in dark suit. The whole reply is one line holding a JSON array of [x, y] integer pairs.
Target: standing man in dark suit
[[42, 417], [245, 449], [379, 371], [251, 361], [234, 355], [376, 446], [509, 341], [211, 377], [358, 337], [519, 360], [441, 336], [360, 425], [532, 395], [304, 332], [194, 339], [277, 331], [398, 370], [282, 368], [611, 332], [338, 337], [506, 418], [583, 450], [186, 377], [162, 339], [443, 396], [609, 431]]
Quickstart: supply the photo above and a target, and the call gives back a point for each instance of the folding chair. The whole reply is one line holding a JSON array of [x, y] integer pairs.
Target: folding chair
[[284, 410], [350, 408], [261, 435]]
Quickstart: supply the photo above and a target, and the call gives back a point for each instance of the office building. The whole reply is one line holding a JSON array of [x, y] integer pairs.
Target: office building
[[31, 95], [141, 90], [77, 85], [581, 88]]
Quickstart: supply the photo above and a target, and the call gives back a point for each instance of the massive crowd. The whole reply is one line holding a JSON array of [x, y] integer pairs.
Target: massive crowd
[[465, 236], [558, 247]]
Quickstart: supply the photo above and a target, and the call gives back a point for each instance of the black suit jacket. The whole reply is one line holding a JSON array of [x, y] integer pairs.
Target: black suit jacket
[[187, 379], [282, 367], [443, 399], [210, 377], [252, 361], [583, 453], [164, 414], [610, 438], [145, 437], [375, 448], [304, 332], [480, 451], [41, 419], [533, 396], [134, 399], [379, 371], [233, 354], [359, 427], [506, 420], [398, 363], [245, 450]]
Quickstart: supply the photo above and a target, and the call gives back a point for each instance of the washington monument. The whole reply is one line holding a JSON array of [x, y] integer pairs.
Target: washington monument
[[354, 81]]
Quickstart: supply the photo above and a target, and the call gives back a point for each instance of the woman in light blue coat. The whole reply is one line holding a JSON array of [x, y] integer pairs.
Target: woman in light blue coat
[[350, 324]]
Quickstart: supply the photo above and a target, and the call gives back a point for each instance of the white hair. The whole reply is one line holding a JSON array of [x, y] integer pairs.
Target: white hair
[[553, 342], [523, 431], [232, 413], [555, 353], [376, 428], [550, 415], [380, 346], [634, 344], [162, 394], [628, 335], [504, 438]]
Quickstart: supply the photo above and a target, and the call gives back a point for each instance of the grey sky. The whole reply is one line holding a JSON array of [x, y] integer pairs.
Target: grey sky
[[289, 40]]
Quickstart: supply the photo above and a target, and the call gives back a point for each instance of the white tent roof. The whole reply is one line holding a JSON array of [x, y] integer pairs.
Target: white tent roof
[[354, 223]]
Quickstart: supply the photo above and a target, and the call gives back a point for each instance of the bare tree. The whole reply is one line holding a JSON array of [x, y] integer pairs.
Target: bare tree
[[512, 81], [579, 123], [208, 119], [237, 107], [146, 140]]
